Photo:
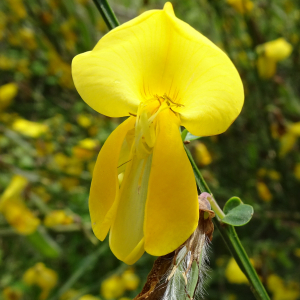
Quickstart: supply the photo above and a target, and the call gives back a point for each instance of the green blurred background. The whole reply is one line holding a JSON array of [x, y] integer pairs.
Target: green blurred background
[[49, 141]]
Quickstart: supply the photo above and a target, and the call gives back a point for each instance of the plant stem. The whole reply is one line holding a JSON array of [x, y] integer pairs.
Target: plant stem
[[231, 238], [107, 14]]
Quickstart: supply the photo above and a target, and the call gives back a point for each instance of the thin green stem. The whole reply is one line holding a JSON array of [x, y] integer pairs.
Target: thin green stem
[[231, 239], [107, 14]]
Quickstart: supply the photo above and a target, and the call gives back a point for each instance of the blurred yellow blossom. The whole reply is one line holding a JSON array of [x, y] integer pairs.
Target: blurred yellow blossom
[[112, 287], [277, 50], [297, 171], [274, 175], [10, 293], [84, 120], [28, 38], [68, 183], [41, 276], [7, 93], [88, 297], [42, 193], [57, 217], [234, 274], [288, 140], [263, 191], [14, 209], [269, 54], [69, 294], [17, 6], [131, 280], [85, 149], [125, 298], [20, 217], [266, 67], [29, 128], [281, 290], [242, 6], [202, 155], [297, 252], [6, 63]]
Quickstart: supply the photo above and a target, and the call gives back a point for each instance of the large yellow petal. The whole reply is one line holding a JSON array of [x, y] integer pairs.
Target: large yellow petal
[[104, 187], [172, 208], [156, 53], [126, 234]]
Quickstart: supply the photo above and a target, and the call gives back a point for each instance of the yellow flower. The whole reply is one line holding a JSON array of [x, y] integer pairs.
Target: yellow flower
[[85, 149], [282, 291], [41, 276], [242, 6], [131, 280], [14, 209], [234, 274], [278, 49], [297, 171], [7, 93], [202, 155], [263, 191], [269, 54], [57, 217], [88, 297], [162, 73], [84, 121], [28, 128], [11, 294], [112, 287]]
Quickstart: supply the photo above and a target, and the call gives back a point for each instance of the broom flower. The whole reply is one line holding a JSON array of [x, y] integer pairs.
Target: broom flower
[[163, 74]]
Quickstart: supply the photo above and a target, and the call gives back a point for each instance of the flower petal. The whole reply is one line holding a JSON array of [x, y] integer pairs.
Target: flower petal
[[172, 208], [126, 234], [108, 78], [104, 187]]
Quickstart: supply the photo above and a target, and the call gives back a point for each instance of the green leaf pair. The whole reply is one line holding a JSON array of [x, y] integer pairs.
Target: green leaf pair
[[236, 212]]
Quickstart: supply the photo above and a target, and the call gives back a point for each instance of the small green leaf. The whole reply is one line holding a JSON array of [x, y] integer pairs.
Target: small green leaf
[[187, 136], [236, 212], [231, 204], [191, 137]]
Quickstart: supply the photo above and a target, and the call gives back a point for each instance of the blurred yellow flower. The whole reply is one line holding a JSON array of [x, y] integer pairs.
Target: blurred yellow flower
[[234, 274], [269, 54], [112, 287], [263, 191], [14, 209], [289, 139], [41, 276], [131, 280], [84, 121], [86, 149], [28, 128], [277, 50], [282, 291], [17, 6], [242, 6], [68, 183], [163, 75], [10, 293], [297, 252], [42, 193], [69, 294], [88, 297], [27, 37], [57, 217], [297, 171], [202, 155], [6, 63], [7, 93]]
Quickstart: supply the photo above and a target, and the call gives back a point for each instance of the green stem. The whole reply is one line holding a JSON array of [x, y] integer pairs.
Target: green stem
[[231, 238], [107, 14]]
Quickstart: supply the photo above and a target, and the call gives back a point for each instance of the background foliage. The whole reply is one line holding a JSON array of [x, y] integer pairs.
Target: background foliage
[[47, 248]]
